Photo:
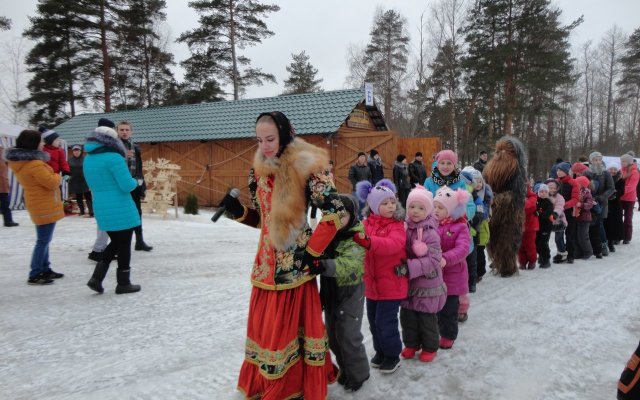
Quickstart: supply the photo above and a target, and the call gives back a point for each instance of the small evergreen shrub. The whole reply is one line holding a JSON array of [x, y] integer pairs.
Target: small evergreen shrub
[[191, 205]]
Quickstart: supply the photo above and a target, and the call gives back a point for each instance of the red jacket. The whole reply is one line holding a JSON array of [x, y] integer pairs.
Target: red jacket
[[631, 177], [570, 190], [58, 160], [531, 222], [387, 250]]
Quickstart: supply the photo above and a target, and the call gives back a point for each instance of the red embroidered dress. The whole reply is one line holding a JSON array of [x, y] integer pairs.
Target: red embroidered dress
[[286, 352]]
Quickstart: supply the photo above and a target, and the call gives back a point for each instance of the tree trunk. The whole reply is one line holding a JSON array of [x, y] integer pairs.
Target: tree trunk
[[106, 67], [235, 74]]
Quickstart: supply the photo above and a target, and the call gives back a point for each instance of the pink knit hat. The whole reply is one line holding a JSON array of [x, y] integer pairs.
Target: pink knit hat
[[454, 201], [447, 155], [422, 196], [583, 181], [579, 168]]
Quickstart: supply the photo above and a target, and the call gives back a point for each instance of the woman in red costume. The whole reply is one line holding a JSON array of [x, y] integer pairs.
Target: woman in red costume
[[286, 351]]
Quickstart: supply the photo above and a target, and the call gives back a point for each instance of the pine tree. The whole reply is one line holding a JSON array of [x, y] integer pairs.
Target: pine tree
[[226, 27], [302, 76], [5, 23], [630, 81], [387, 56], [60, 61], [141, 66]]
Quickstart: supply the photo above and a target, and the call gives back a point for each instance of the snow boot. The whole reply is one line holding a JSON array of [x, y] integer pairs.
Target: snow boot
[[124, 284], [531, 265], [409, 352], [605, 249], [95, 256], [95, 283], [463, 317], [390, 365], [354, 386], [560, 257], [446, 343], [377, 360], [544, 263], [612, 248], [427, 356]]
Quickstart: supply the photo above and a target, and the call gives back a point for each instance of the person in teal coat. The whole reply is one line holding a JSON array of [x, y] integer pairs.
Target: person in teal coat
[[108, 177], [445, 173]]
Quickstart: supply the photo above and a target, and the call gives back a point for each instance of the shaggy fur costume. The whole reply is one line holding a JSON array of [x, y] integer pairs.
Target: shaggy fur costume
[[506, 174], [288, 202]]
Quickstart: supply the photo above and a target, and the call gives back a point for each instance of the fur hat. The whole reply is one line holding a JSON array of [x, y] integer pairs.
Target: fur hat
[[540, 186], [579, 168], [49, 136], [583, 181], [421, 195], [627, 158], [376, 195], [105, 130], [594, 154], [106, 122], [447, 155], [564, 167], [454, 201]]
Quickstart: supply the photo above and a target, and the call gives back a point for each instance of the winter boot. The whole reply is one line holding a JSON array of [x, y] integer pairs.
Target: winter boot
[[612, 248], [140, 244], [409, 352], [390, 365], [531, 265], [95, 283], [446, 343], [544, 263], [463, 317], [124, 284], [605, 249], [377, 360], [95, 256], [427, 356], [560, 257]]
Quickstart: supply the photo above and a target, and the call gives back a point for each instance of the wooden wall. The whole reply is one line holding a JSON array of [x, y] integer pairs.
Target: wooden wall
[[211, 168], [428, 146]]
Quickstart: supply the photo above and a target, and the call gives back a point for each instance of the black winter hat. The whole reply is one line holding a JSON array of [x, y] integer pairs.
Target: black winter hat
[[373, 152], [49, 136], [286, 132], [106, 122], [28, 139]]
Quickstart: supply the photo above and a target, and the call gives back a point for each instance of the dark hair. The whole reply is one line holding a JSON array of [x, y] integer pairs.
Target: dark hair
[[331, 162], [400, 157], [373, 152], [583, 158], [419, 154], [483, 152], [559, 160], [28, 139], [361, 153]]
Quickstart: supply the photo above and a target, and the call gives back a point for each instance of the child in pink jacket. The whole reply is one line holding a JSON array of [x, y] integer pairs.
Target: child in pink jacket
[[427, 292], [450, 208], [385, 274]]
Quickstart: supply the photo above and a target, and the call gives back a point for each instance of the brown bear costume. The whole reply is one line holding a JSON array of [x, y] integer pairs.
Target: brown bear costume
[[507, 175]]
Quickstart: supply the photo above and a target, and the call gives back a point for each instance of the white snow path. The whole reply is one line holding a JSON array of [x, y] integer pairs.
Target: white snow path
[[562, 333]]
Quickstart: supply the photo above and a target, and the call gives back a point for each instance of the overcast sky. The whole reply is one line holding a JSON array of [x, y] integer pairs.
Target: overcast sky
[[325, 29]]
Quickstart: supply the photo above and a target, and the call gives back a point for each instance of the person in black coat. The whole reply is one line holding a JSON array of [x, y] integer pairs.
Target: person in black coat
[[481, 161], [375, 165], [77, 183], [417, 171], [546, 215], [613, 224]]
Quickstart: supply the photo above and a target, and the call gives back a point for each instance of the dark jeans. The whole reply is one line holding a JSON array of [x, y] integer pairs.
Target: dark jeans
[[560, 244], [448, 318], [582, 244], [594, 234], [383, 323], [472, 263], [420, 330], [627, 210], [86, 196], [40, 257], [542, 245], [4, 207], [120, 244], [136, 195]]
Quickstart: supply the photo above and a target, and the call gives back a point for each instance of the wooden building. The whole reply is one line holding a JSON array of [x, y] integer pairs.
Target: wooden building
[[214, 142]]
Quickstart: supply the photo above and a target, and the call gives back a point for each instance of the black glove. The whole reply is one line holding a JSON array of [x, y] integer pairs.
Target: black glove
[[233, 206], [313, 263], [477, 218]]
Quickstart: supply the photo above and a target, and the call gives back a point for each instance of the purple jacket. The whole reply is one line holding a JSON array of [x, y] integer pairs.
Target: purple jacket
[[427, 291], [455, 241]]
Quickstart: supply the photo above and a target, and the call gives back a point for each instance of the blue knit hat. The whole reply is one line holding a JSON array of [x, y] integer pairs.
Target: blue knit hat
[[564, 167]]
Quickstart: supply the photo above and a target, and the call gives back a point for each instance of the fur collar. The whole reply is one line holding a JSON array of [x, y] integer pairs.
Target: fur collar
[[97, 136], [18, 154], [291, 172]]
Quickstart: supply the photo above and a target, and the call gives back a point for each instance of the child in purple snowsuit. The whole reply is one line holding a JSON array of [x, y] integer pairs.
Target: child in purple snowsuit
[[427, 292]]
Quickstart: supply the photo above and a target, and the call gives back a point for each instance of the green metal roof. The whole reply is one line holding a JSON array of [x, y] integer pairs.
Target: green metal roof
[[311, 113]]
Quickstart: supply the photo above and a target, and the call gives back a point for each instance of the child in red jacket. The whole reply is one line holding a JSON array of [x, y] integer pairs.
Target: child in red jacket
[[58, 159], [385, 271], [527, 256]]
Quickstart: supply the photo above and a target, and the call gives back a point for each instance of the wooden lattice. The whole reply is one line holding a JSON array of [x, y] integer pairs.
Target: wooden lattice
[[162, 179]]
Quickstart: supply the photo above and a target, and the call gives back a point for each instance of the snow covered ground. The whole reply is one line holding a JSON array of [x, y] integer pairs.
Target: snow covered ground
[[562, 333]]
